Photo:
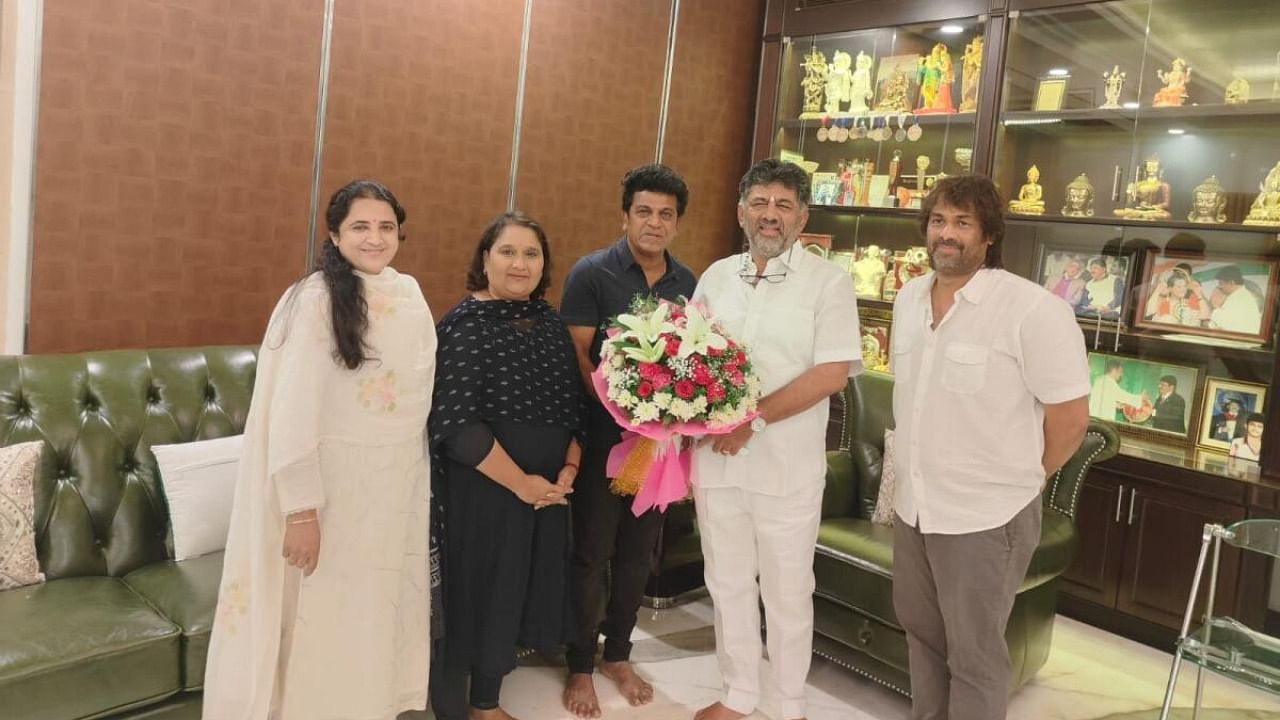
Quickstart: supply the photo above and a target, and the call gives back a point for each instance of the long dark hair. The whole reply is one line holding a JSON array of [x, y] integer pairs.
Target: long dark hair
[[476, 279], [349, 312]]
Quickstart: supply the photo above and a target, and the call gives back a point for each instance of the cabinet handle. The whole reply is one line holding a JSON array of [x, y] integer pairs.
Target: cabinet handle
[[1119, 502], [1115, 184], [1133, 498]]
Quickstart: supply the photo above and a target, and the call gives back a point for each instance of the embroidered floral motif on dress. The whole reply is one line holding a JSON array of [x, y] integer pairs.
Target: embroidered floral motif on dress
[[378, 393]]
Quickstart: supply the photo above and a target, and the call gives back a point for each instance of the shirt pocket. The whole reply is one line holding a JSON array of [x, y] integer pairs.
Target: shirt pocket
[[964, 368]]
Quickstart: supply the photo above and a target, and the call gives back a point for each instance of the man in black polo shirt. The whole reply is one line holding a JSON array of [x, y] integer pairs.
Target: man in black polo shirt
[[600, 286]]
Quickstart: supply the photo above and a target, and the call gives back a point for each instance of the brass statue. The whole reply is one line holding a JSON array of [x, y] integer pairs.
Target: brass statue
[[970, 74], [1208, 202], [815, 81], [1174, 92], [1031, 197], [1112, 88], [1266, 209], [1237, 91], [1149, 196], [1079, 197], [894, 96]]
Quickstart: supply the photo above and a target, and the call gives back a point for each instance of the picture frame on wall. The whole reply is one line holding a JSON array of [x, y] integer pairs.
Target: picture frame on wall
[[1214, 296], [1232, 418], [1094, 285], [1145, 397], [1051, 92], [897, 83], [875, 326]]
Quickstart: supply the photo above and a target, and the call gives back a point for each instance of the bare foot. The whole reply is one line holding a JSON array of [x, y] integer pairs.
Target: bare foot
[[580, 696], [495, 714], [717, 711], [630, 684]]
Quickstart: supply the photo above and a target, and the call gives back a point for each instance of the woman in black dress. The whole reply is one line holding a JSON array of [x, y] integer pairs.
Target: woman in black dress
[[506, 411]]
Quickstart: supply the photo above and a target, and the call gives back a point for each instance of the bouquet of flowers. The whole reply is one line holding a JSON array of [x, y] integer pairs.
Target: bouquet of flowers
[[667, 372]]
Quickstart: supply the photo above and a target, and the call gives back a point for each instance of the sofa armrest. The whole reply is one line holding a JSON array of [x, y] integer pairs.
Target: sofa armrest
[[1062, 491], [839, 497]]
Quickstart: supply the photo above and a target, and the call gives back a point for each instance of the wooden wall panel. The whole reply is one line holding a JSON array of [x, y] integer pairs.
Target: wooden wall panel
[[593, 97], [172, 169], [709, 120], [422, 97]]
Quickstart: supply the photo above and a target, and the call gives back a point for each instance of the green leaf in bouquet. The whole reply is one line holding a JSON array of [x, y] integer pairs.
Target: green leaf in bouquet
[[645, 351]]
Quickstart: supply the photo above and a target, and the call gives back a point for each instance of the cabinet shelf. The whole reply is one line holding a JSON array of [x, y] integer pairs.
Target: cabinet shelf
[[1126, 222], [1201, 115], [924, 120], [906, 213]]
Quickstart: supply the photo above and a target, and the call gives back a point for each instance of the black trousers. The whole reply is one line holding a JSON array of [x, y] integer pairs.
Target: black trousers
[[449, 694], [612, 557]]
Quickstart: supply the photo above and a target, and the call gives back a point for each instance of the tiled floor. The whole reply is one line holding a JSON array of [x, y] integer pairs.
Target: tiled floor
[[1090, 675]]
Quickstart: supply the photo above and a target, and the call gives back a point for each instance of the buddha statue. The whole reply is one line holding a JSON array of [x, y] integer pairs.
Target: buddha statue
[[868, 272], [1237, 92], [1149, 196], [1266, 209], [1174, 92], [1208, 202], [1079, 197], [1030, 197]]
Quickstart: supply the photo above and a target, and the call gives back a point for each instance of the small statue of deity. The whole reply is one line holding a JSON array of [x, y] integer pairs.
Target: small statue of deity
[[860, 90], [970, 74], [1237, 91], [936, 75], [814, 82], [1148, 198], [1266, 209], [1079, 197], [893, 97], [964, 158], [1208, 202], [839, 80], [1174, 92], [869, 271], [1114, 84], [1030, 197]]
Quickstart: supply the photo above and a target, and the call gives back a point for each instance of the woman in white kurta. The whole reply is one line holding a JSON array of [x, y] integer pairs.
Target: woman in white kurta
[[323, 610]]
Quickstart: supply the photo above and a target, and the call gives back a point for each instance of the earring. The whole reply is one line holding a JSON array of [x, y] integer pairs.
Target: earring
[[484, 272]]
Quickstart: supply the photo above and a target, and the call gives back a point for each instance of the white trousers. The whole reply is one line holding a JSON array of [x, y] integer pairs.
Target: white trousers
[[746, 535]]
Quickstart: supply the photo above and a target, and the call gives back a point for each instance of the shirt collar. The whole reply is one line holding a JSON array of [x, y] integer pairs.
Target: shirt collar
[[787, 262], [978, 286], [626, 259]]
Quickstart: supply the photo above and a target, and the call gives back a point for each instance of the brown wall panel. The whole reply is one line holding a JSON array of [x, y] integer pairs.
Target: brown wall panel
[[709, 119], [422, 97], [593, 97], [172, 169]]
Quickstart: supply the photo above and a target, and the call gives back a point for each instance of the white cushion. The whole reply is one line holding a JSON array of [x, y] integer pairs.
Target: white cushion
[[888, 485], [18, 563], [200, 483]]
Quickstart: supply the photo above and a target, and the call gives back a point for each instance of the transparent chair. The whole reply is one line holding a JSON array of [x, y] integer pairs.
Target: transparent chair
[[1223, 645]]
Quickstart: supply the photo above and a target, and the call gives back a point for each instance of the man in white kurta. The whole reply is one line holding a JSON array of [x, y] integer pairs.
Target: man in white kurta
[[351, 640], [758, 490]]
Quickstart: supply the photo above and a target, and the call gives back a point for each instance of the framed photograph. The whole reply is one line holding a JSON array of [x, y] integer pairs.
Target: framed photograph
[[1232, 418], [1050, 92], [826, 188], [1093, 285], [1216, 296], [875, 326], [844, 259], [1146, 397], [896, 83]]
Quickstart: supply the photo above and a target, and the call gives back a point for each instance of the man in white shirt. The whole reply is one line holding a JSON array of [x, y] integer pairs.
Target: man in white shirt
[[990, 398], [758, 490], [1236, 309], [1106, 395]]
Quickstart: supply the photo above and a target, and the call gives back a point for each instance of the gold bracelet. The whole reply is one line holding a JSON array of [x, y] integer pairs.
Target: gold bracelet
[[301, 522]]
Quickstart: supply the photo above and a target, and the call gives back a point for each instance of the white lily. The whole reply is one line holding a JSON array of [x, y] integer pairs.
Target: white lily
[[646, 329], [698, 335]]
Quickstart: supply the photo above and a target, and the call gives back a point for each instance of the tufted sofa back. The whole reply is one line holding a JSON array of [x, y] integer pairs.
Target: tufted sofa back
[[99, 503]]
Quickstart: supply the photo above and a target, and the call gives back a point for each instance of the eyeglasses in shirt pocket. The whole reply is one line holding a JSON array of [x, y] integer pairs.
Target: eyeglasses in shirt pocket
[[965, 367]]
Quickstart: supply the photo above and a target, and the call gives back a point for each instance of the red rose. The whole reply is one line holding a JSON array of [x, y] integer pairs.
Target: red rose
[[685, 389], [645, 389], [713, 352], [740, 358], [715, 392], [737, 379], [673, 347], [648, 370], [661, 379], [701, 375]]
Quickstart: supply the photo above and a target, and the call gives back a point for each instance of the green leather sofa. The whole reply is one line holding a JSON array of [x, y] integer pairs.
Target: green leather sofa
[[854, 620], [119, 630]]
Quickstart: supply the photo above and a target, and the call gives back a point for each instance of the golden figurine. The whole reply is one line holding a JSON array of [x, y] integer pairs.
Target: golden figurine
[[1031, 197], [1174, 92], [894, 96], [1237, 91], [814, 82], [1079, 197], [1208, 202], [936, 75], [1266, 209], [839, 81], [1149, 196], [970, 74], [1112, 87]]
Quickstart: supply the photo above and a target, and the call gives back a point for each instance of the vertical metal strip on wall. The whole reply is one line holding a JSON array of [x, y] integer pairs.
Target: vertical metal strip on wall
[[666, 80], [322, 104], [519, 119], [28, 47]]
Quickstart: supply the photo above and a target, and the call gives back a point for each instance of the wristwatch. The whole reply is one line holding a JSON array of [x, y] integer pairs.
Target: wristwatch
[[758, 424]]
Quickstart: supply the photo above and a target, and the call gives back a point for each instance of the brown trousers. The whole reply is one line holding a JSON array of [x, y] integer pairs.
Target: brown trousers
[[953, 594]]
